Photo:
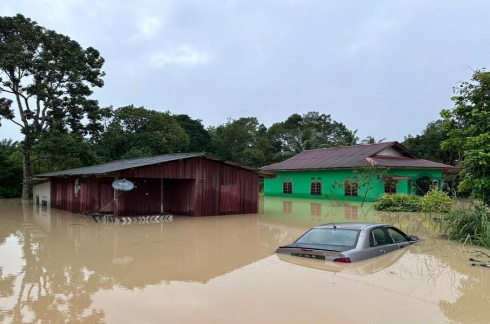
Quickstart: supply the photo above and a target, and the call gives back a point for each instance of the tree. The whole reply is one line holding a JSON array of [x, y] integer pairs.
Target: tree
[[372, 140], [57, 150], [428, 144], [136, 132], [350, 138], [10, 171], [468, 129], [49, 76], [328, 131], [198, 135], [304, 132], [367, 179], [241, 141]]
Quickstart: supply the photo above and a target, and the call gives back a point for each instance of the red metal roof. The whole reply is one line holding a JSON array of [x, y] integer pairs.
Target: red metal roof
[[353, 157], [394, 162]]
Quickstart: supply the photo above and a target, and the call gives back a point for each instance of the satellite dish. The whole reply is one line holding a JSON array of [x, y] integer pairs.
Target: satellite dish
[[123, 185]]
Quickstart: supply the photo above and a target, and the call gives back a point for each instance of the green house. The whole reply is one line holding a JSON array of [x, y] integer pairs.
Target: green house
[[354, 173]]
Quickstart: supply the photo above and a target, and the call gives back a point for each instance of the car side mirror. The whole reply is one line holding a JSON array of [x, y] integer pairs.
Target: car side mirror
[[414, 238]]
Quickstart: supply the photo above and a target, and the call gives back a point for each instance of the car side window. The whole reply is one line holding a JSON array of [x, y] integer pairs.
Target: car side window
[[397, 236], [380, 237]]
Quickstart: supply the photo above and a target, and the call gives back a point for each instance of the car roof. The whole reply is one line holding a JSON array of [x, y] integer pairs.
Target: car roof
[[352, 226]]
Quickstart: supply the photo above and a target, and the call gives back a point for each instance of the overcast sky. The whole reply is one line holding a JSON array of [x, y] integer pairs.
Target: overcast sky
[[384, 67]]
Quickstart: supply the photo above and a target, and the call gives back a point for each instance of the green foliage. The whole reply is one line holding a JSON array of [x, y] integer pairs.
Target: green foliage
[[471, 225], [372, 140], [10, 171], [428, 144], [58, 150], [137, 132], [366, 178], [242, 140], [199, 137], [399, 203], [50, 79], [468, 129], [348, 139], [437, 201], [304, 132]]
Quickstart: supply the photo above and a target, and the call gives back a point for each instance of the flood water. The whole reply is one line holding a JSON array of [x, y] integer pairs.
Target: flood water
[[57, 267]]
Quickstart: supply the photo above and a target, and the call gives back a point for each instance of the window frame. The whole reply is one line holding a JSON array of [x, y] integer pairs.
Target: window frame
[[316, 188], [390, 186], [372, 239], [351, 187], [405, 236], [287, 187]]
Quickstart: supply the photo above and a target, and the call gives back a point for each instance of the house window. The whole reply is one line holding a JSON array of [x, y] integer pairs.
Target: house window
[[351, 189], [316, 188], [287, 187], [390, 186]]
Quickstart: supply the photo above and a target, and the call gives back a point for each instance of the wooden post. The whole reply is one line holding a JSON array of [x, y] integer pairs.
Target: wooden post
[[116, 200], [161, 196]]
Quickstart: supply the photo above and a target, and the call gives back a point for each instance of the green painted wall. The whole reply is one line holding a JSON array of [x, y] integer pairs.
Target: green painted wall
[[301, 181]]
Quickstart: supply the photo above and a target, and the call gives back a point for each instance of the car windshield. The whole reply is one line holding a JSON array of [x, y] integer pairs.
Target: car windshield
[[330, 236]]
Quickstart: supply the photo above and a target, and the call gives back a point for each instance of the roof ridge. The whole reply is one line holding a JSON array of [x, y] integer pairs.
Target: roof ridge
[[129, 162], [145, 157], [344, 146]]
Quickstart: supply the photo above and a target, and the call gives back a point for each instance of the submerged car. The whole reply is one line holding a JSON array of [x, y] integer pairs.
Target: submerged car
[[348, 242], [361, 268]]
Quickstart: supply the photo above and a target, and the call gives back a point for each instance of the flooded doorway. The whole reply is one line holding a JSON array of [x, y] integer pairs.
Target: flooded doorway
[[422, 185]]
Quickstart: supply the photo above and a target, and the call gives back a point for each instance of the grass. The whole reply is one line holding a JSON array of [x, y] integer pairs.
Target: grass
[[469, 225]]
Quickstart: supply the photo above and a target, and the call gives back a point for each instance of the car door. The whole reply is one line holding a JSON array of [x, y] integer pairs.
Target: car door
[[399, 238], [380, 242]]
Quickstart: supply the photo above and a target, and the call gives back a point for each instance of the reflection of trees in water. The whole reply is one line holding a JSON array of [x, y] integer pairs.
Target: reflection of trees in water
[[435, 259], [474, 300], [6, 284], [51, 288]]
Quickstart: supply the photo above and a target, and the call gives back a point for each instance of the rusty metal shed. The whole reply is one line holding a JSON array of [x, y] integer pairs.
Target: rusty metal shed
[[193, 184]]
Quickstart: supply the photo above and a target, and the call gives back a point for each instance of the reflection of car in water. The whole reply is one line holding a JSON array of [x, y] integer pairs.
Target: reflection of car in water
[[348, 242], [361, 268]]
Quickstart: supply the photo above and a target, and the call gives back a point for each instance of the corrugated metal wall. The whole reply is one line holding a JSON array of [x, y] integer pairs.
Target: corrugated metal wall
[[196, 187], [94, 193]]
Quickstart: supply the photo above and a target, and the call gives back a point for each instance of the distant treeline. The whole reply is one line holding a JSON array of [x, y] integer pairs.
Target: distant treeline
[[131, 132]]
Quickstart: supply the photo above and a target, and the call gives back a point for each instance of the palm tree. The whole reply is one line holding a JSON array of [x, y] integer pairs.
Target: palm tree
[[8, 144], [304, 140], [372, 140], [349, 139]]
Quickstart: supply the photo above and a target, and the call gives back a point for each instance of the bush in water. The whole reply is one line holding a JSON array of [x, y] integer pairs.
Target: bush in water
[[437, 201], [399, 203]]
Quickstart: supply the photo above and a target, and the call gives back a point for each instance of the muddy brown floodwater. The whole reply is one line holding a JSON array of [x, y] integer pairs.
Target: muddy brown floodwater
[[57, 267]]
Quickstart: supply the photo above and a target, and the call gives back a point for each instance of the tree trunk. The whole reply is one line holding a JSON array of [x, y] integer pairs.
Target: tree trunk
[[27, 175]]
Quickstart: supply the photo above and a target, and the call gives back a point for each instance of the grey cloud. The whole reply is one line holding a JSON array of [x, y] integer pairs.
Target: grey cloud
[[384, 67]]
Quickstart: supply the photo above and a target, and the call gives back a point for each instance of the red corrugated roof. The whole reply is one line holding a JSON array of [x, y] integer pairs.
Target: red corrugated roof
[[353, 157], [393, 162]]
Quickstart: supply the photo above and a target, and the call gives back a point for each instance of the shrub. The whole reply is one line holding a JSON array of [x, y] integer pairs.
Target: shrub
[[437, 201], [399, 203], [468, 224]]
